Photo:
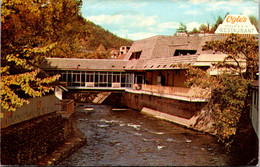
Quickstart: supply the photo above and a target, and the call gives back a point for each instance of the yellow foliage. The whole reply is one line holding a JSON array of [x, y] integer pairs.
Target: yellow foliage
[[228, 90]]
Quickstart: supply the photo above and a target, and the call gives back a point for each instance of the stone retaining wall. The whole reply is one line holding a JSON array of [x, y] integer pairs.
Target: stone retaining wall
[[28, 142], [174, 107], [193, 115]]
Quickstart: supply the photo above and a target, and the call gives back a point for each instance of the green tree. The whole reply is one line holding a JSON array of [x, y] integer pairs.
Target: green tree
[[194, 30], [182, 28], [254, 21], [215, 26], [204, 28], [229, 89]]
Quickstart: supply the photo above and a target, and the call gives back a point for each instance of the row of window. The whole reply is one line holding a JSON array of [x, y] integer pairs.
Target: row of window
[[99, 79]]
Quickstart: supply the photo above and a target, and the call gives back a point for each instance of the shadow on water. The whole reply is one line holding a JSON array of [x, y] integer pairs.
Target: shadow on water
[[120, 136]]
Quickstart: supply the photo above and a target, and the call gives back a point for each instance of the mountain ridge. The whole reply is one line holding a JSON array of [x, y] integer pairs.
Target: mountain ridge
[[98, 35]]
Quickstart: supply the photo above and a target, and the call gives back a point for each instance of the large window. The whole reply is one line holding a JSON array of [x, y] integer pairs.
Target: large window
[[69, 76], [103, 79], [89, 77], [83, 76], [109, 79], [136, 55], [116, 77], [96, 79], [129, 79], [76, 78], [63, 77], [123, 80], [179, 52]]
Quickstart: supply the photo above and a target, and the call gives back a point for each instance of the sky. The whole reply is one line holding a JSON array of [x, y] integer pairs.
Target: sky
[[140, 19]]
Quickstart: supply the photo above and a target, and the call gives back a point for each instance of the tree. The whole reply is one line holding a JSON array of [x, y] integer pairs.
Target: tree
[[99, 35], [67, 27], [215, 26], [195, 30], [182, 28], [254, 21], [32, 30], [204, 28], [238, 48], [229, 89]]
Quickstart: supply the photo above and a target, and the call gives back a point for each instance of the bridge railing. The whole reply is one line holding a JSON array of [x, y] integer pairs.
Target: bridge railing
[[179, 91]]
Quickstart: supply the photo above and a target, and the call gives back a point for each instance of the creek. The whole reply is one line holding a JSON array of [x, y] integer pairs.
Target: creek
[[127, 137]]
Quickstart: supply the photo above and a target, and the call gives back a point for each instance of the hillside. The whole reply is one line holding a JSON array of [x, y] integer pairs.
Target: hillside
[[97, 35], [59, 29], [86, 41]]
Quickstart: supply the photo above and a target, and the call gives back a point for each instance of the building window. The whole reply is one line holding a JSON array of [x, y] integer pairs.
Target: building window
[[76, 77], [180, 52], [89, 77], [123, 80], [116, 77], [63, 77], [69, 76], [83, 76], [129, 79], [103, 79], [135, 55]]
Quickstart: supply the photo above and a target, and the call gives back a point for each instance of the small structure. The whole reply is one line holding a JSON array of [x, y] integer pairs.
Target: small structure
[[124, 49], [58, 91], [114, 53], [181, 34]]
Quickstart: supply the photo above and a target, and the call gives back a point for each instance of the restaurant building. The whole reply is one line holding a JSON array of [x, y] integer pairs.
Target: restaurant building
[[151, 74]]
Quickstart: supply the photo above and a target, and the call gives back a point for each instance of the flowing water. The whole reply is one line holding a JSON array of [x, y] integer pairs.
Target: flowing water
[[130, 138]]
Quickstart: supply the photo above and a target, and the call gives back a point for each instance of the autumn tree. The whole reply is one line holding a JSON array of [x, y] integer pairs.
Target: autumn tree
[[66, 27], [228, 90], [32, 30], [238, 48]]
